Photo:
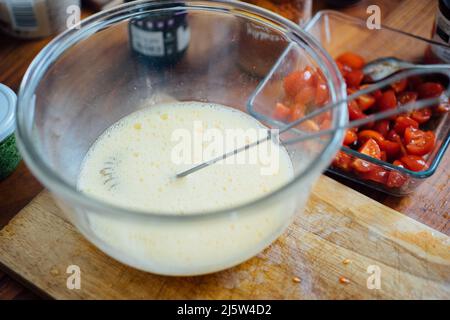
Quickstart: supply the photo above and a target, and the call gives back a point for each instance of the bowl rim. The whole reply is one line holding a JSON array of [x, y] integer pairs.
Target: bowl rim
[[54, 182], [445, 142]]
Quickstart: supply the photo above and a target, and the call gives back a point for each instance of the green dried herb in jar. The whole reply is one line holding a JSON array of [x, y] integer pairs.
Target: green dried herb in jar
[[9, 155]]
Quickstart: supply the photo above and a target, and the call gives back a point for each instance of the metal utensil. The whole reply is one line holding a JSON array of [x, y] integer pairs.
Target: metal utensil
[[382, 68], [374, 117]]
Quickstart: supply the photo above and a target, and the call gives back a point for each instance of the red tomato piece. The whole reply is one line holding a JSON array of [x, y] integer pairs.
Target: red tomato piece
[[343, 68], [296, 80], [281, 112], [352, 60], [392, 149], [392, 135], [321, 92], [365, 135], [306, 95], [422, 115], [342, 161], [388, 100], [365, 102], [418, 142], [407, 97], [297, 112], [414, 163], [430, 90], [354, 78], [371, 149], [354, 112], [382, 126], [403, 122], [350, 137], [400, 85], [395, 178], [377, 174]]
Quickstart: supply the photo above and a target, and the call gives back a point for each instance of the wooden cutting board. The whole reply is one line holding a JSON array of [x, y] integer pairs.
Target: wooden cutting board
[[330, 240]]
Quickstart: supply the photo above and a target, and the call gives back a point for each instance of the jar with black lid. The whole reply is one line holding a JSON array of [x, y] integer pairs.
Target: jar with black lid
[[441, 33], [160, 39]]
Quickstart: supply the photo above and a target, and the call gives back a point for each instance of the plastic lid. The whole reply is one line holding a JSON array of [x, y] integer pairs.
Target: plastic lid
[[7, 107]]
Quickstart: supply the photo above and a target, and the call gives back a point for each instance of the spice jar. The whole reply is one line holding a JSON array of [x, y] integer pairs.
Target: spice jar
[[9, 155], [255, 37]]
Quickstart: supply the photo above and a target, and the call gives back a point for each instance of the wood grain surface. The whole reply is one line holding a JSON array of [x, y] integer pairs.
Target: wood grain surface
[[329, 241], [429, 204]]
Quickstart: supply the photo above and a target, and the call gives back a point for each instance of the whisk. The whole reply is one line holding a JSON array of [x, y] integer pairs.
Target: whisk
[[356, 123]]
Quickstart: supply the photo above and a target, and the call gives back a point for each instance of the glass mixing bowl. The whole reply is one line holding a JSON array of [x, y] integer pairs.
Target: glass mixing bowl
[[89, 77]]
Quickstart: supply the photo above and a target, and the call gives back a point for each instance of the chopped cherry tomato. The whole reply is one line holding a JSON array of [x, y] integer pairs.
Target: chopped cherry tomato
[[407, 97], [354, 112], [371, 149], [418, 142], [297, 112], [342, 161], [430, 90], [350, 137], [388, 100], [295, 81], [365, 135], [321, 92], [354, 78], [403, 122], [395, 178], [392, 135], [365, 102], [422, 115], [281, 112], [306, 95], [400, 85], [392, 149], [382, 126], [414, 163], [352, 60], [343, 68], [377, 174]]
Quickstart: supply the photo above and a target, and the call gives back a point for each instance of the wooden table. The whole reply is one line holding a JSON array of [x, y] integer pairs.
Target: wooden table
[[429, 204]]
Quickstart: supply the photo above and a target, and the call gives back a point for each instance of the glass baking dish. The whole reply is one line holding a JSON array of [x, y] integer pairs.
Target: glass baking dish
[[336, 32]]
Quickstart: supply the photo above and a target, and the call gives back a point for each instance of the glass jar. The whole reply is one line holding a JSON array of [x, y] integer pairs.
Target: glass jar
[[255, 37]]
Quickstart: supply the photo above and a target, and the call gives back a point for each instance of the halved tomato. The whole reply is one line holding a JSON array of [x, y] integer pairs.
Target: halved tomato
[[321, 92], [365, 135], [407, 97], [350, 137], [403, 122], [395, 178], [297, 112], [377, 174], [388, 100], [382, 126], [352, 60], [392, 149], [400, 85], [354, 112], [281, 112], [371, 149], [296, 80], [422, 115], [430, 90], [306, 95], [365, 101], [342, 161], [419, 142], [354, 78], [414, 163]]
